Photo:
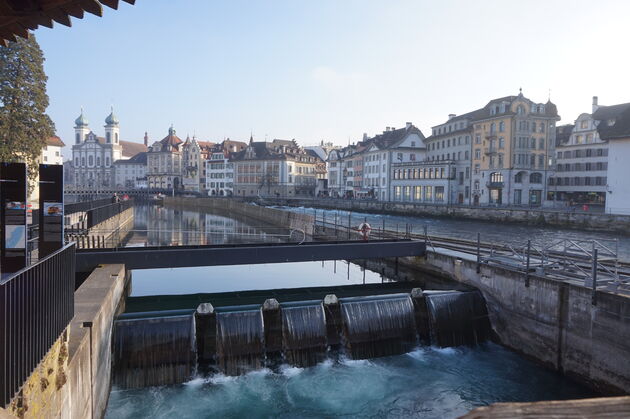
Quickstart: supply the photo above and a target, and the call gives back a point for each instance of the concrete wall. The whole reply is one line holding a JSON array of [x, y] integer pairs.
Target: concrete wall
[[78, 385], [578, 220], [243, 209], [109, 233], [553, 322]]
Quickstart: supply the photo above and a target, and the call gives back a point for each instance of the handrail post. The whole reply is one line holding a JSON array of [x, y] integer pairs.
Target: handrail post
[[529, 245], [594, 278], [478, 252]]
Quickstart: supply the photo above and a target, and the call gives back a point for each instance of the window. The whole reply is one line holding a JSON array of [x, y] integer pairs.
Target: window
[[542, 127], [541, 161], [518, 178], [439, 193], [477, 139], [501, 126], [90, 161], [584, 124], [428, 193], [417, 193], [493, 127], [535, 178], [477, 153], [501, 142], [78, 137], [108, 135], [520, 110], [477, 169], [399, 156], [541, 143], [412, 157]]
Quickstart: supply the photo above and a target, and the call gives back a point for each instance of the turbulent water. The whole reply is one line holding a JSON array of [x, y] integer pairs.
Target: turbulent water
[[428, 383]]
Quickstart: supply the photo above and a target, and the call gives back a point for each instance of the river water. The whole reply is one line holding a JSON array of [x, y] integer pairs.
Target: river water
[[491, 232], [428, 382]]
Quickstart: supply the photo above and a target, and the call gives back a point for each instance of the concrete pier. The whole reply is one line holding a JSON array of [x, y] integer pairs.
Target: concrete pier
[[73, 380]]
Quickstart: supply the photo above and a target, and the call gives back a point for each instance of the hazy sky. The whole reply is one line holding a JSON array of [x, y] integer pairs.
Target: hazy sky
[[328, 70]]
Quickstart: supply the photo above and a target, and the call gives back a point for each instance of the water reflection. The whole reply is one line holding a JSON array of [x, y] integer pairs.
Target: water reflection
[[160, 226]]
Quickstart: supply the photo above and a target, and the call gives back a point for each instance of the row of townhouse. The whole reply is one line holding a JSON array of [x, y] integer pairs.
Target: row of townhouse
[[508, 153]]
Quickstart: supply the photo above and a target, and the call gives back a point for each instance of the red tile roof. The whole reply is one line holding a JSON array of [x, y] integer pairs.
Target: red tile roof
[[55, 141]]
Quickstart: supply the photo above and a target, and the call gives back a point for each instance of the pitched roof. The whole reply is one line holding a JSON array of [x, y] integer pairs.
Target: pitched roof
[[614, 121], [54, 141], [563, 133], [130, 149], [389, 138], [140, 158]]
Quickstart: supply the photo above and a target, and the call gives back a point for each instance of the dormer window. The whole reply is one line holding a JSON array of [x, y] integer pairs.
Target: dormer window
[[611, 122]]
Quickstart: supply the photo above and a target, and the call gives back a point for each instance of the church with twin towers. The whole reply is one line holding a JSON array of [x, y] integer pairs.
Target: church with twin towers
[[106, 162]]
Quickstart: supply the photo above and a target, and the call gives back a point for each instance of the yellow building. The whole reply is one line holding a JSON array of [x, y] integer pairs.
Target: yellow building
[[513, 149]]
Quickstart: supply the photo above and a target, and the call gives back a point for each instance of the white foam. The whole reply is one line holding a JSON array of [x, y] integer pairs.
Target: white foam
[[289, 371]]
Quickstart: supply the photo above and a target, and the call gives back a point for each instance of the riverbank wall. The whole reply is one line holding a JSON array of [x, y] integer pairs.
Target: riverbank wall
[[107, 234], [539, 217], [247, 210], [550, 321], [73, 379]]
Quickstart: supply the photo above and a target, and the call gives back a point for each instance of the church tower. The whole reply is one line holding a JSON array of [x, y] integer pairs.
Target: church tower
[[112, 129], [81, 128]]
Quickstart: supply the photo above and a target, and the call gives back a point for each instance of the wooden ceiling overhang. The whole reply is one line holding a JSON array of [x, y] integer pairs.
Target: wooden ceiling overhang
[[17, 17]]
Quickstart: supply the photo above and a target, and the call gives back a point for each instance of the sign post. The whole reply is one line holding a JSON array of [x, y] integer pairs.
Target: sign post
[[13, 192], [51, 211]]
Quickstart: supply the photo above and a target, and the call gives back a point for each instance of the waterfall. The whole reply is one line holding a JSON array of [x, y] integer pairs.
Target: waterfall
[[378, 326], [304, 334], [240, 343], [153, 351], [457, 318]]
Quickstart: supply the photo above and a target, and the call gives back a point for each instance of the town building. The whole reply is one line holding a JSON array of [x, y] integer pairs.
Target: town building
[[277, 168], [220, 170], [451, 143], [582, 160], [51, 153], [131, 173], [364, 169], [93, 157], [164, 163], [614, 127], [513, 151], [427, 182]]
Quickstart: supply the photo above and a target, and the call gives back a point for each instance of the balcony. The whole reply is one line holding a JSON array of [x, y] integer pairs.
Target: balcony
[[491, 134], [495, 185], [490, 150]]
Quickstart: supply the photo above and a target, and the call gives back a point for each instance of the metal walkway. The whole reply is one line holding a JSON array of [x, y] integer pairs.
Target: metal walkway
[[245, 254]]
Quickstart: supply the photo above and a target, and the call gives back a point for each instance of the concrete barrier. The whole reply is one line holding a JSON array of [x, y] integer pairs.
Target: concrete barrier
[[577, 220], [247, 210], [551, 321]]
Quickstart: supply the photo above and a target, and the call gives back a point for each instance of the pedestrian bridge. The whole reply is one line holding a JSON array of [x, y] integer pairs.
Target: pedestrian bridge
[[245, 254]]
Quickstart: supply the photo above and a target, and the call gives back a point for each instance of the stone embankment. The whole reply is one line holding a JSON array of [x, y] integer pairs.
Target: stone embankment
[[246, 210], [564, 219]]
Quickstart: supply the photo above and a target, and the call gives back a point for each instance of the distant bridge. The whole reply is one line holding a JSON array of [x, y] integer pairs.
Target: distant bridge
[[245, 254]]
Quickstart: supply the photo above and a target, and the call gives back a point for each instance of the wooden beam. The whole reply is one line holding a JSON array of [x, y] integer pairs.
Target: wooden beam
[[92, 6], [113, 4]]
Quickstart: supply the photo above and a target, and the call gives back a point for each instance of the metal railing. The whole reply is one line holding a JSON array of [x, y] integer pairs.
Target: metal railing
[[96, 216], [86, 205], [36, 306]]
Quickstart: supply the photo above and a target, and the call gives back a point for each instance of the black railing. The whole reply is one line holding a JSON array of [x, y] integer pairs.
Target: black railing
[[98, 215], [36, 306], [86, 206]]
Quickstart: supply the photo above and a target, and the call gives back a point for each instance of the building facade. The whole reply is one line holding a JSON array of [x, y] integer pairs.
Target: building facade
[[513, 151], [277, 168], [220, 170], [93, 157], [164, 163], [131, 173], [51, 153], [426, 182]]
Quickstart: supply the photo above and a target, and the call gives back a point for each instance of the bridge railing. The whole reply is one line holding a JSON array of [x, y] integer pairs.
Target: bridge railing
[[36, 306], [86, 205], [96, 216]]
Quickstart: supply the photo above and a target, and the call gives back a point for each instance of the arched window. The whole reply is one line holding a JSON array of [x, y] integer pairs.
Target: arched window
[[108, 136], [518, 178], [78, 137], [535, 178]]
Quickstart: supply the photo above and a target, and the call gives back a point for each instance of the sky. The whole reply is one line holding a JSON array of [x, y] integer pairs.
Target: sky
[[328, 69]]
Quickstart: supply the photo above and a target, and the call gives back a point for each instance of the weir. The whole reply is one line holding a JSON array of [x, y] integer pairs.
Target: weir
[[379, 326], [152, 350], [240, 346]]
